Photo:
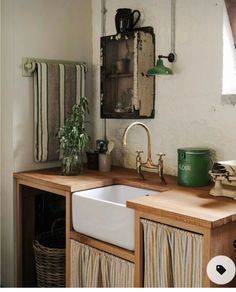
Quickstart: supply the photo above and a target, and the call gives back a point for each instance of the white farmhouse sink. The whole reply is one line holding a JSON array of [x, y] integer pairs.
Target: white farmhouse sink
[[101, 213]]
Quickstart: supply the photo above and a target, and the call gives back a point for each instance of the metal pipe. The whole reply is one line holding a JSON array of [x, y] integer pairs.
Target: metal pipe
[[173, 9], [103, 12], [103, 29]]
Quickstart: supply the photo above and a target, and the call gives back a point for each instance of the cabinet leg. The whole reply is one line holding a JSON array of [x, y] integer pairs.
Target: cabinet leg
[[19, 235], [28, 217], [68, 229], [25, 212]]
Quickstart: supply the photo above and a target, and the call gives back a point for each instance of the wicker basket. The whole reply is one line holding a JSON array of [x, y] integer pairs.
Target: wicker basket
[[49, 250]]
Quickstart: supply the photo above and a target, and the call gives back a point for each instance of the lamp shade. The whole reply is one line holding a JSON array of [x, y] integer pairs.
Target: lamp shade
[[159, 69]]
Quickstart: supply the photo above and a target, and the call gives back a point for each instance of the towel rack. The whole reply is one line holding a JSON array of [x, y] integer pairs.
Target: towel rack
[[28, 64]]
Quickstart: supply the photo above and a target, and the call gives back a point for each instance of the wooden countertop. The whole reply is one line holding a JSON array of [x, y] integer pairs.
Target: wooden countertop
[[54, 179], [190, 205]]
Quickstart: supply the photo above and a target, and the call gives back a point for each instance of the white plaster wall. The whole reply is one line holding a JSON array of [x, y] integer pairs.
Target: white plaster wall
[[7, 211], [0, 135], [55, 29], [188, 104], [229, 57]]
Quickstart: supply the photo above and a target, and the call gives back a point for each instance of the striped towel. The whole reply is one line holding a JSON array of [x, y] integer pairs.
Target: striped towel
[[57, 87]]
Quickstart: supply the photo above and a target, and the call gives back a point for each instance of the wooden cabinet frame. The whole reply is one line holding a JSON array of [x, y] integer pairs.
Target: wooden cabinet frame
[[25, 213], [218, 241], [218, 237], [25, 210]]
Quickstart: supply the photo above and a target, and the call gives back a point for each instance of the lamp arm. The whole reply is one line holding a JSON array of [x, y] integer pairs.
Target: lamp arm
[[170, 57], [162, 57]]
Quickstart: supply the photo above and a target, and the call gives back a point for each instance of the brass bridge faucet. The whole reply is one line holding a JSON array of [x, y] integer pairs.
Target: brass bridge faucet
[[148, 164]]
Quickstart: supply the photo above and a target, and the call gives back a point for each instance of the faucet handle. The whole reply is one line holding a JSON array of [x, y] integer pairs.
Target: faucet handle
[[138, 157], [161, 155], [139, 152], [139, 163], [160, 168]]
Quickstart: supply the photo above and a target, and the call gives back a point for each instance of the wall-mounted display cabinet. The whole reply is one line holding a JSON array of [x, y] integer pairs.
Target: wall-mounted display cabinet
[[126, 90]]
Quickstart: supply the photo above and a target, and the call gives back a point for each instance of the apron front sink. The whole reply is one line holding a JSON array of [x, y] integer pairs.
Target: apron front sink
[[102, 214]]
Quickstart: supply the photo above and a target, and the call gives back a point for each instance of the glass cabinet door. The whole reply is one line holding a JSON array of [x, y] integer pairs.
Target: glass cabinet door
[[126, 90]]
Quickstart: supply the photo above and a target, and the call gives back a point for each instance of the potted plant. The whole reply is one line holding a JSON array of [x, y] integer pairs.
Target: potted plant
[[73, 139]]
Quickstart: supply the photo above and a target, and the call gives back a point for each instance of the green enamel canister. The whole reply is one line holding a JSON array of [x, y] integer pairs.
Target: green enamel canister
[[193, 167]]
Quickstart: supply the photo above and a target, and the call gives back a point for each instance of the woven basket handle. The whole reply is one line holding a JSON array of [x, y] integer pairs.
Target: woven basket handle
[[55, 222]]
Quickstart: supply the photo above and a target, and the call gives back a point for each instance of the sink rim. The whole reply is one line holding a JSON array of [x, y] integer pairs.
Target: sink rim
[[110, 202]]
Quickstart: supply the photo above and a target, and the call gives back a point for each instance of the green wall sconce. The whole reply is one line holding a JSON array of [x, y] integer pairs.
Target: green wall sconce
[[160, 68]]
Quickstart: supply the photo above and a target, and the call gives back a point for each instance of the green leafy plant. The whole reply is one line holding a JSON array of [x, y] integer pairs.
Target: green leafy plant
[[73, 138]]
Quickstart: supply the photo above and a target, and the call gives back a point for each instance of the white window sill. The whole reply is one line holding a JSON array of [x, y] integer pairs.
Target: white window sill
[[228, 99]]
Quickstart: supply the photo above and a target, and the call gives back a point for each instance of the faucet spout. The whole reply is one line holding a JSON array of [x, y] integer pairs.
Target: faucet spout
[[148, 164], [124, 143]]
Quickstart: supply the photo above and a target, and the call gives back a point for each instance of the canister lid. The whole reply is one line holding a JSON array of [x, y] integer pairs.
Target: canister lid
[[194, 150]]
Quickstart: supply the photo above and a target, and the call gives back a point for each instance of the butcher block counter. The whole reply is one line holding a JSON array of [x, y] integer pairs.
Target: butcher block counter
[[191, 204], [191, 209]]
